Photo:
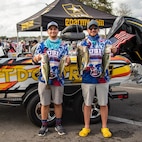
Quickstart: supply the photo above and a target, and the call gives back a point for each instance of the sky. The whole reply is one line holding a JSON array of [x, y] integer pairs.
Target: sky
[[14, 11]]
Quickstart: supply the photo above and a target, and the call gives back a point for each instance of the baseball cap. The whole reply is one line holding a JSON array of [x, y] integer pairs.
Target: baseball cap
[[92, 22], [52, 23]]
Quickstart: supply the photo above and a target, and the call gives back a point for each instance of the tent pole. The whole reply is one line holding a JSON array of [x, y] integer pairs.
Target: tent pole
[[41, 33], [17, 37], [105, 32], [17, 42]]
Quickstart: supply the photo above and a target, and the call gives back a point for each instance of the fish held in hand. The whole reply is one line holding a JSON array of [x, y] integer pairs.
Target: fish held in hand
[[62, 65], [45, 67], [82, 58], [85, 58], [106, 59], [79, 59]]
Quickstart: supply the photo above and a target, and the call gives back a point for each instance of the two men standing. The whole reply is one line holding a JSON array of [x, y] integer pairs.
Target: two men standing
[[91, 81]]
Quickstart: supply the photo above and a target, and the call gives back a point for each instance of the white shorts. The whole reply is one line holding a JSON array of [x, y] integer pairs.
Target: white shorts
[[101, 90], [55, 93]]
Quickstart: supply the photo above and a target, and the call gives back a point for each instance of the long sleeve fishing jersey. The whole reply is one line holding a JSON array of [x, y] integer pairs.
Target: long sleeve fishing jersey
[[55, 49], [96, 46]]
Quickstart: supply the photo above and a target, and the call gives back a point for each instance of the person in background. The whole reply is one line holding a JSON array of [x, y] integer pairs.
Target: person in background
[[55, 49], [12, 46], [93, 82], [1, 43], [34, 45], [21, 47], [73, 49], [2, 49]]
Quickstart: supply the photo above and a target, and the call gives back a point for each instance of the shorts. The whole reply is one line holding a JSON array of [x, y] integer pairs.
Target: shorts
[[101, 90], [55, 93]]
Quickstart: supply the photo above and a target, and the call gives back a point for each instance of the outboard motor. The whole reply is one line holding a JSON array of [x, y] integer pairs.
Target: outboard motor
[[72, 33]]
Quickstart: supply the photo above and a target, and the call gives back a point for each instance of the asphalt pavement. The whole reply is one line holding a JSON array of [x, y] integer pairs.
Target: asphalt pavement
[[125, 122]]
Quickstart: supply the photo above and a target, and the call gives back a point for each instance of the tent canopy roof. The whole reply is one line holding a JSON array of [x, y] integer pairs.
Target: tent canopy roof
[[65, 13]]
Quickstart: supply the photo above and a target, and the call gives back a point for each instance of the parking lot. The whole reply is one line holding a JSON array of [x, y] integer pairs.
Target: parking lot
[[125, 122]]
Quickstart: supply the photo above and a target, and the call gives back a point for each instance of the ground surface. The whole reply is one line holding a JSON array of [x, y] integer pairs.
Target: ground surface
[[125, 121]]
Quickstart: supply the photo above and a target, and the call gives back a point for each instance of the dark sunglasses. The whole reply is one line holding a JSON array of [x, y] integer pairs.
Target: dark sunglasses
[[91, 28]]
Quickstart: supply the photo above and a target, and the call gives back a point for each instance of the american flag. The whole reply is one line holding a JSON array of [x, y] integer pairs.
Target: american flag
[[121, 38]]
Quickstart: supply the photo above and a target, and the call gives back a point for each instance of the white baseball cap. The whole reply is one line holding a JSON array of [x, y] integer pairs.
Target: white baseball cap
[[52, 23]]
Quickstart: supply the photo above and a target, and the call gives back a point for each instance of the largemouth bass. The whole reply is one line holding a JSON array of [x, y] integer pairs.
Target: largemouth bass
[[82, 58], [106, 59], [85, 58], [45, 67], [62, 65], [79, 59]]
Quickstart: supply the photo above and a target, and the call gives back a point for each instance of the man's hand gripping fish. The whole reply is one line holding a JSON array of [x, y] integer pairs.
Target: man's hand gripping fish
[[82, 58], [45, 67], [106, 59]]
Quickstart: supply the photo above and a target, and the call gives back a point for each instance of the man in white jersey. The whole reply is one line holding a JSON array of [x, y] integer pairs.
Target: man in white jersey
[[92, 81], [55, 49]]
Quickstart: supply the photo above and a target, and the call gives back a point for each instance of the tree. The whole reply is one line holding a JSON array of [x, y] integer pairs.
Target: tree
[[103, 5], [123, 10], [3, 37]]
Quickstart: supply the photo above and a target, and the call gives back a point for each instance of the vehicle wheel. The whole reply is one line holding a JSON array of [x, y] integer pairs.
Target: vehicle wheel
[[95, 111], [34, 112]]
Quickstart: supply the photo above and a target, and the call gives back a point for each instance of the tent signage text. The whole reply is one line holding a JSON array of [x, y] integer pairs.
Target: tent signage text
[[27, 25], [82, 22]]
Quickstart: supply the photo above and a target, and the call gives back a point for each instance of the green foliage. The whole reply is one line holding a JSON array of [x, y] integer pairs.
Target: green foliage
[[3, 37], [103, 5]]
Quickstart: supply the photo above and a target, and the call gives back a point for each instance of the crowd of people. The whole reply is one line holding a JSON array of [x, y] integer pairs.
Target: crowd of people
[[23, 46], [8, 47]]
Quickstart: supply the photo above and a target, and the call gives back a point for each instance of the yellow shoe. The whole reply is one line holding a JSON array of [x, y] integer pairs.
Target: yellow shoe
[[84, 132], [106, 133]]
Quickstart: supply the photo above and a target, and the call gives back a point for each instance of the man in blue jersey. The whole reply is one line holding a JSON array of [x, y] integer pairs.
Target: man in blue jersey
[[92, 79], [55, 49]]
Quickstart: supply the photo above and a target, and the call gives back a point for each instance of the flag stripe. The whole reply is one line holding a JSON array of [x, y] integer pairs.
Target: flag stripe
[[121, 38]]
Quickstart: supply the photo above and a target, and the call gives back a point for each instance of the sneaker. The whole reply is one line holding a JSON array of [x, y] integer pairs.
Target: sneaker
[[43, 130], [60, 130]]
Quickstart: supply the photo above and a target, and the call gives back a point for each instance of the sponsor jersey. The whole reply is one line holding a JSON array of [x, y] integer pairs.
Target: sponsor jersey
[[55, 50], [96, 47]]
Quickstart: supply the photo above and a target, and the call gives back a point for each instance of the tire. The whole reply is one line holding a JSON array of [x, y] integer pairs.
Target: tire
[[34, 112], [78, 109]]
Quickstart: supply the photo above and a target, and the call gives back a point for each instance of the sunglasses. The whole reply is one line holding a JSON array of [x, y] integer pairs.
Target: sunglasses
[[91, 28]]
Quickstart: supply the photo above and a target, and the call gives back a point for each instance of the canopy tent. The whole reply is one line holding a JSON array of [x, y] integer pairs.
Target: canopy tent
[[65, 13]]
